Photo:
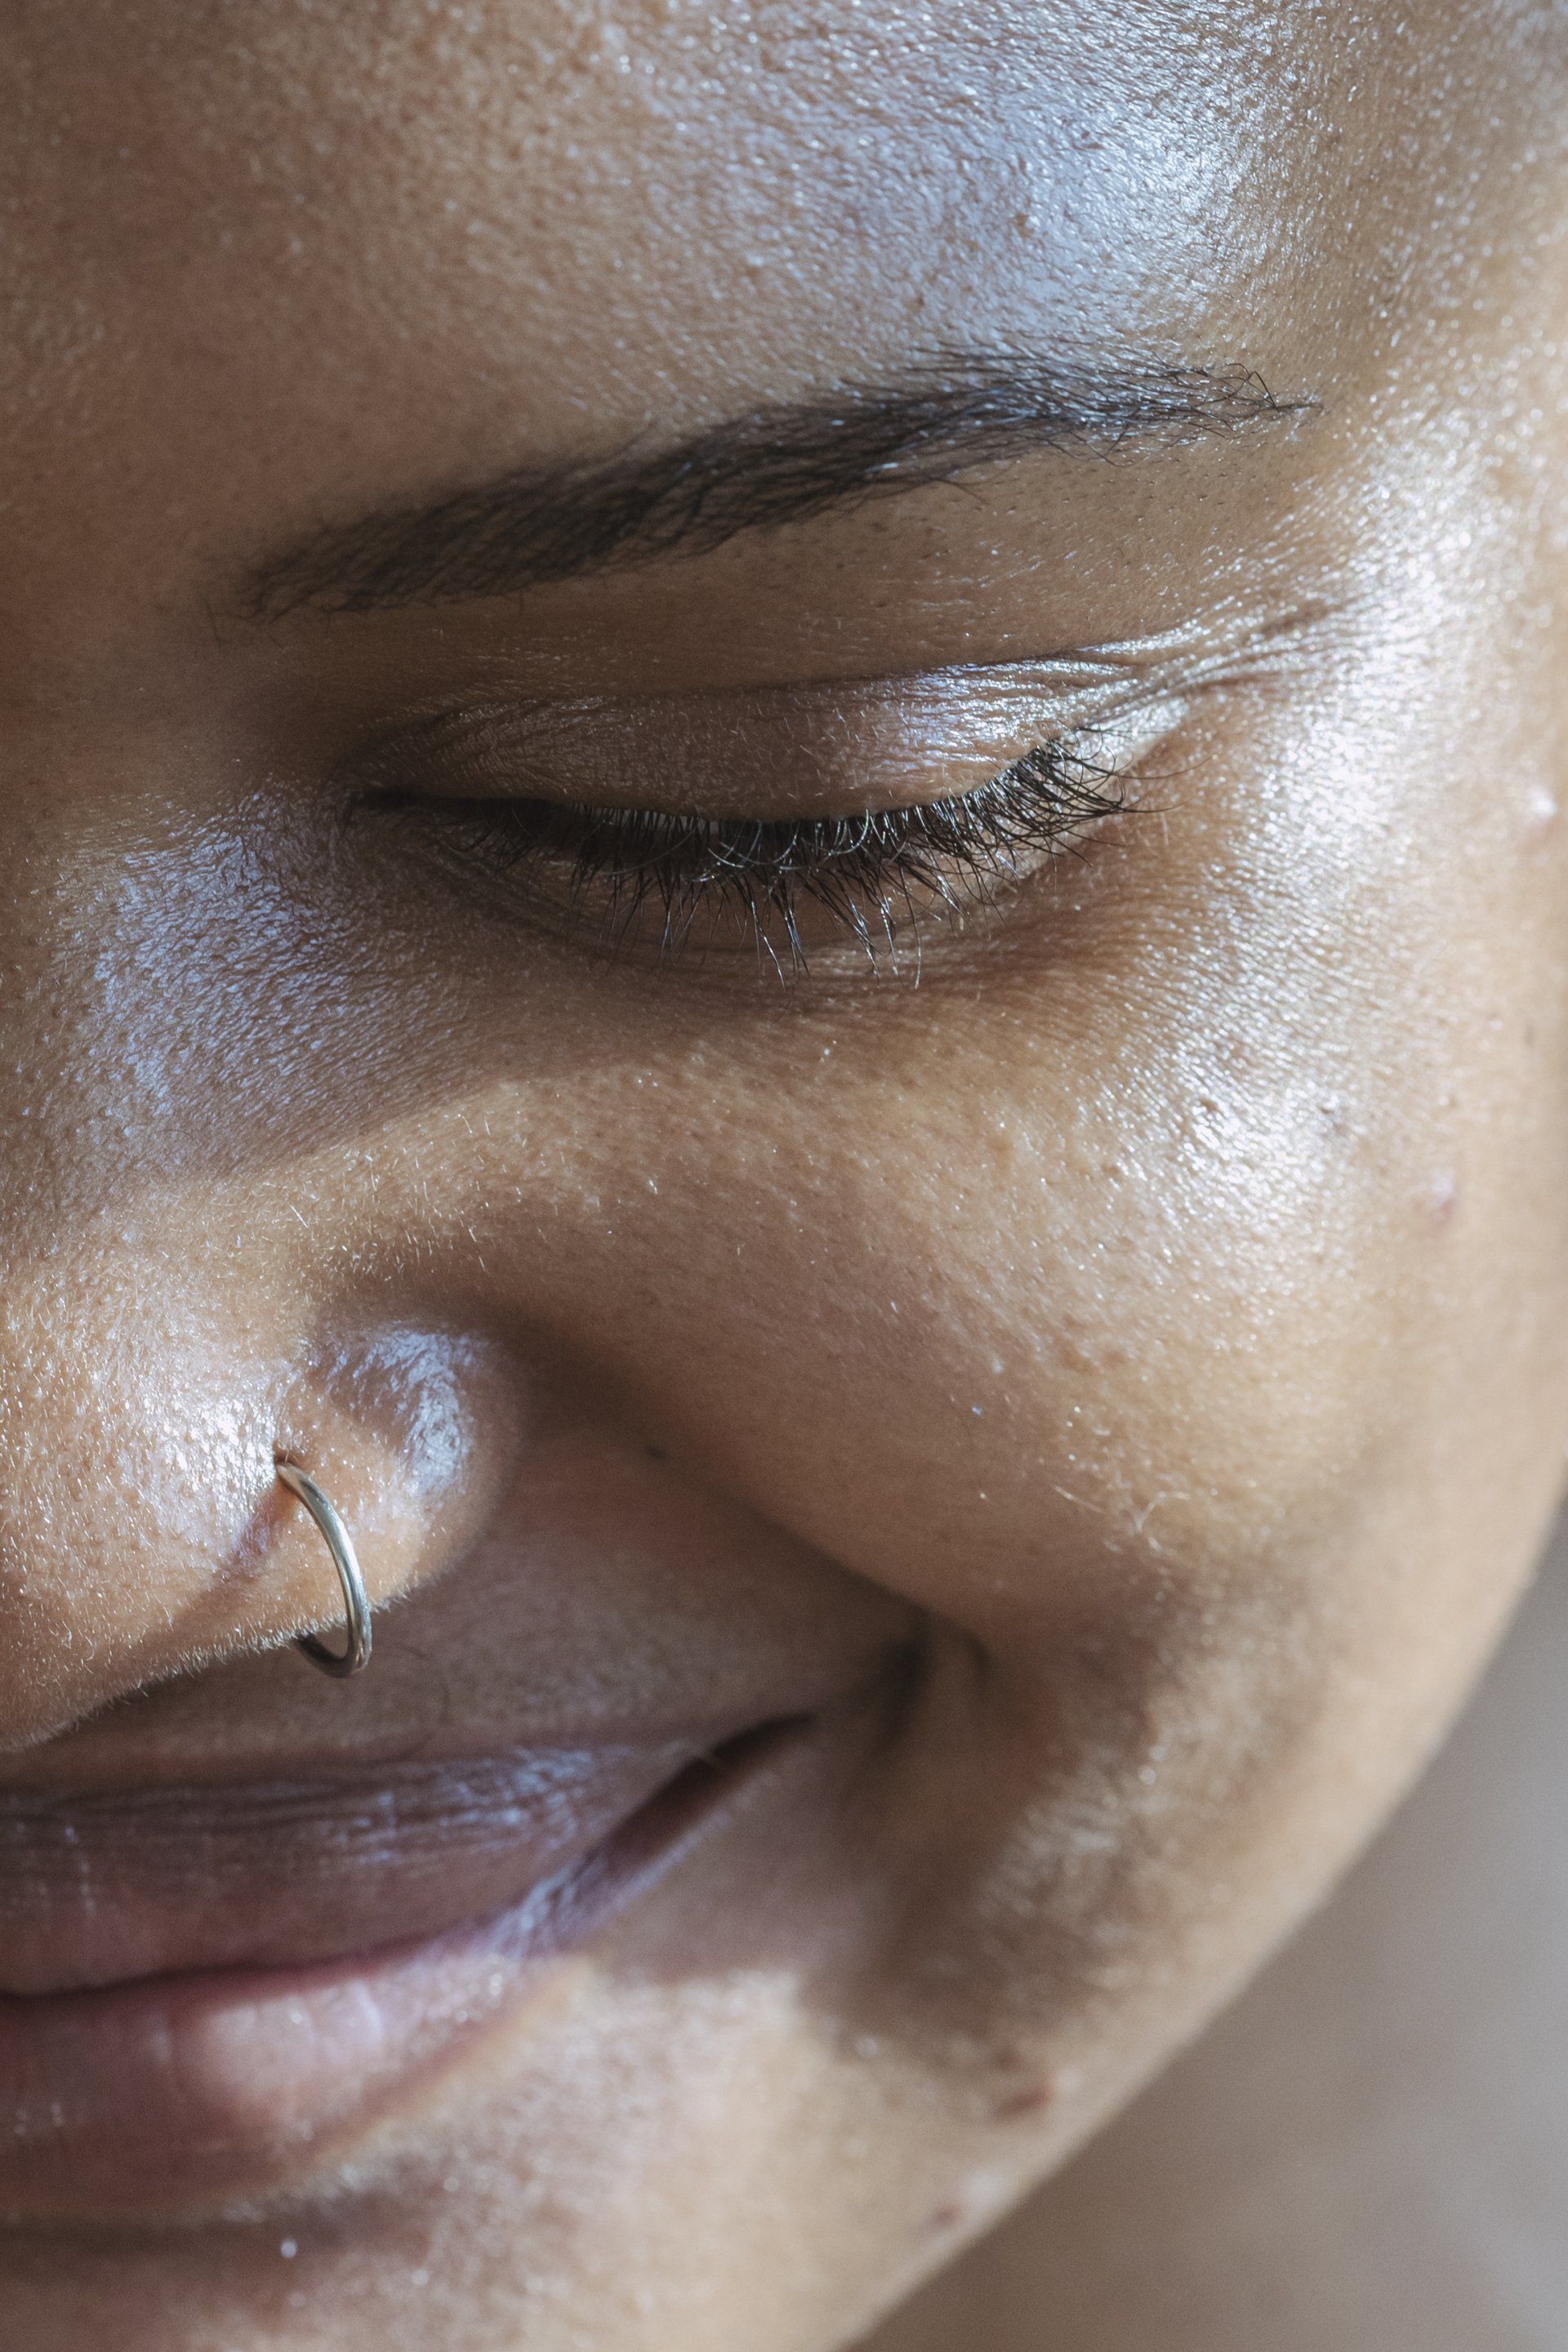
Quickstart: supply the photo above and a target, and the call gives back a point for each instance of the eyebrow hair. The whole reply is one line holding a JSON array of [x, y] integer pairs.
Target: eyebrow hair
[[953, 412]]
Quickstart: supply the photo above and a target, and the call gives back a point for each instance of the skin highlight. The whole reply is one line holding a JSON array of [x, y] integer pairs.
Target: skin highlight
[[1097, 1364]]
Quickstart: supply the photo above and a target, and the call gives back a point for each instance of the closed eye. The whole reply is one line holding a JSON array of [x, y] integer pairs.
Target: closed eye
[[787, 885]]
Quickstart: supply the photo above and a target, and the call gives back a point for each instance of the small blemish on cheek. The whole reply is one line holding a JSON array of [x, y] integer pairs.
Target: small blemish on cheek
[[1440, 1198], [945, 2220], [1031, 2099]]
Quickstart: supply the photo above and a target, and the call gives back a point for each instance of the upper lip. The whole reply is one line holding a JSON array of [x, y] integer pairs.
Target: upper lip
[[101, 1886]]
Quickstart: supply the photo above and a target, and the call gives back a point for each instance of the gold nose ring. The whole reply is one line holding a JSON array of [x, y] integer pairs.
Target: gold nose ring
[[356, 1606]]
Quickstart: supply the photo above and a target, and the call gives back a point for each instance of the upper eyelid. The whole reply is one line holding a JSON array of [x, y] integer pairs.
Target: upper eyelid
[[434, 736], [1182, 659], [1118, 669], [755, 772]]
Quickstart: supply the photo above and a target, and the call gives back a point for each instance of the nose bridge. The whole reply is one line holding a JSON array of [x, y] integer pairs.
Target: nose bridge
[[196, 986]]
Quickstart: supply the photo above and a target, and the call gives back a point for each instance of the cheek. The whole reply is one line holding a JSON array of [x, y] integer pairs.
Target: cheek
[[1177, 1282]]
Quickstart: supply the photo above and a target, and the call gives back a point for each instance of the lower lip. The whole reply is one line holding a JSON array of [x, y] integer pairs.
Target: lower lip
[[181, 2093]]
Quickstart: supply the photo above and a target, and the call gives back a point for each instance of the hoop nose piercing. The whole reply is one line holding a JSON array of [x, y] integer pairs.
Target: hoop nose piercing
[[356, 1606]]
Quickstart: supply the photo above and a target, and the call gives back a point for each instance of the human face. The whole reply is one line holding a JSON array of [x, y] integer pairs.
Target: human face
[[948, 1404]]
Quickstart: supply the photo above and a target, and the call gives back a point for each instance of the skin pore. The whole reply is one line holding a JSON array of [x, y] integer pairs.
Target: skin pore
[[949, 1408]]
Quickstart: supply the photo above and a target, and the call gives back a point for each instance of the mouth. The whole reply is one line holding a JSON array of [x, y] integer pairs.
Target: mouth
[[209, 1992]]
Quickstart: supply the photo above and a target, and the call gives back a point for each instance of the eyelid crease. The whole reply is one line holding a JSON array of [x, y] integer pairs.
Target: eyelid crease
[[449, 742]]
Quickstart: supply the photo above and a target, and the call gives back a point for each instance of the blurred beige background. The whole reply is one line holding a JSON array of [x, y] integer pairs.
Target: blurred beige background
[[1370, 2152]]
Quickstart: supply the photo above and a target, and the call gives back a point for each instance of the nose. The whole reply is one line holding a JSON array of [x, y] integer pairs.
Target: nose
[[144, 1531]]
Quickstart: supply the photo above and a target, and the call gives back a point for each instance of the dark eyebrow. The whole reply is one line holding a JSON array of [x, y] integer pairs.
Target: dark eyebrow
[[951, 413]]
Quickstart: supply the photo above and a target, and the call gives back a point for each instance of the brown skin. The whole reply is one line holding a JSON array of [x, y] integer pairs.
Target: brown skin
[[1159, 1305], [1367, 2148]]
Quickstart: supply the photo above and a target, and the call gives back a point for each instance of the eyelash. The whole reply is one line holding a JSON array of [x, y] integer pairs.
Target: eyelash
[[864, 870]]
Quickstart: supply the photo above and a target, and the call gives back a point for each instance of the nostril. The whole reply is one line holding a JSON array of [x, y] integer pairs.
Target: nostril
[[405, 1434]]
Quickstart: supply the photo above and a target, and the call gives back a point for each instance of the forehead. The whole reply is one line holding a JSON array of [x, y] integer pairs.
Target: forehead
[[276, 256], [633, 195]]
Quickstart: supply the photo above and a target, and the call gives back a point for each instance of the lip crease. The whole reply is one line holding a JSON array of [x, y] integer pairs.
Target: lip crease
[[205, 1990]]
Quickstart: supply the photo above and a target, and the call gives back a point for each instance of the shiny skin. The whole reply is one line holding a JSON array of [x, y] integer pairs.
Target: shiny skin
[[1161, 1304]]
